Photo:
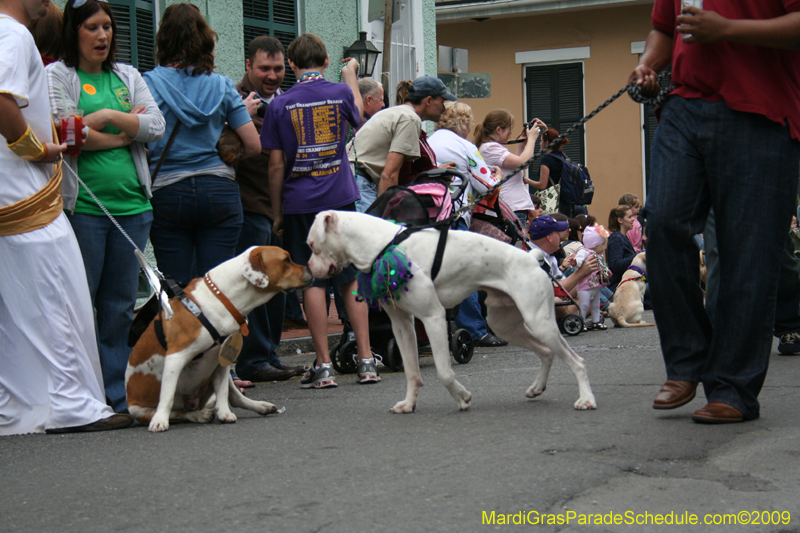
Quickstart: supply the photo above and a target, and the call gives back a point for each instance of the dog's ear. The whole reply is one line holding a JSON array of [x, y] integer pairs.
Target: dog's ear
[[330, 223], [254, 271]]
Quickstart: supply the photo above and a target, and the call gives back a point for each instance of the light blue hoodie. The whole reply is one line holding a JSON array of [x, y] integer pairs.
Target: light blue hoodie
[[203, 104]]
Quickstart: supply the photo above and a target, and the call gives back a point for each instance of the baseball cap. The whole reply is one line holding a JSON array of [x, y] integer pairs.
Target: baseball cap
[[543, 226], [430, 86]]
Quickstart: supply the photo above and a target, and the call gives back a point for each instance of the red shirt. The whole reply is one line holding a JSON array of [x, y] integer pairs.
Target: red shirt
[[748, 78]]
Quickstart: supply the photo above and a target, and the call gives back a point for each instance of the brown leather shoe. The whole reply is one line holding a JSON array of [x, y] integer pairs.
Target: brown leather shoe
[[115, 421], [298, 370], [674, 394], [718, 413], [270, 373]]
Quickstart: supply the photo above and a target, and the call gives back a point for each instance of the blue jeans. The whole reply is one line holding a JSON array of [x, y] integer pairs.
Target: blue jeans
[[469, 315], [197, 218], [369, 193], [698, 162], [265, 321], [113, 275], [293, 308]]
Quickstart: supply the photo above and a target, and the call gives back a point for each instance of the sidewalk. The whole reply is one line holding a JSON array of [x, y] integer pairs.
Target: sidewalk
[[298, 341]]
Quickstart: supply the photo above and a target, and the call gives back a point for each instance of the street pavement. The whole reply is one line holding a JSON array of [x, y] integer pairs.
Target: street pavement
[[338, 461]]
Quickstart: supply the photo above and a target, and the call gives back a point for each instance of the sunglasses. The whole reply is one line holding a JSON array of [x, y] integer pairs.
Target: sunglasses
[[78, 3]]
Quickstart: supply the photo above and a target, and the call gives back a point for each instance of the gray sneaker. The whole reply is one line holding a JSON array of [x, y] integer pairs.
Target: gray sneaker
[[368, 370], [321, 378]]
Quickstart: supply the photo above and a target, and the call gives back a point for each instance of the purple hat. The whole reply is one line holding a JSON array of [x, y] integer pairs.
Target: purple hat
[[543, 226]]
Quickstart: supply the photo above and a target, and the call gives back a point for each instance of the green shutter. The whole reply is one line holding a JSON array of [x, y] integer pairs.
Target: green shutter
[[277, 18], [555, 95], [135, 32]]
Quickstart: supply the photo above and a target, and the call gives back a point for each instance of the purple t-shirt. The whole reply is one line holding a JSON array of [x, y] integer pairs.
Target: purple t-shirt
[[309, 122]]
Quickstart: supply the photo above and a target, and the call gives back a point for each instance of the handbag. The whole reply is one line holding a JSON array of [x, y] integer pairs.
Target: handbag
[[230, 146], [549, 198]]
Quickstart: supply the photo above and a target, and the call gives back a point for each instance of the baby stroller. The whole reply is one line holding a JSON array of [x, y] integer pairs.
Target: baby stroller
[[424, 202]]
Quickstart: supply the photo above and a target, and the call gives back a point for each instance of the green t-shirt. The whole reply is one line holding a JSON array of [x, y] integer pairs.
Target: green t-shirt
[[110, 174]]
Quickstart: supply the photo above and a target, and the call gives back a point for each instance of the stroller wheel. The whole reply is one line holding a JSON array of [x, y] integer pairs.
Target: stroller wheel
[[342, 358], [573, 325], [461, 346], [393, 360]]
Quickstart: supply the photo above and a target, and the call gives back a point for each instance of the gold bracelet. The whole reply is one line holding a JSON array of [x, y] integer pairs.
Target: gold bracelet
[[28, 147]]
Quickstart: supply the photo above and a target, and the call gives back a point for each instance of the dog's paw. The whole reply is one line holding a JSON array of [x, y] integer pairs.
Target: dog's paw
[[464, 401], [202, 416], [535, 390], [265, 408], [159, 424], [403, 407], [584, 404], [226, 417]]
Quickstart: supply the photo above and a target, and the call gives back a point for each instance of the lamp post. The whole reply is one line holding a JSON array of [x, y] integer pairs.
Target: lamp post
[[365, 53]]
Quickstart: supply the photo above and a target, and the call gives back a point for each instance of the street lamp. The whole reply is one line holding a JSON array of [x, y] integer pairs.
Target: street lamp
[[365, 53]]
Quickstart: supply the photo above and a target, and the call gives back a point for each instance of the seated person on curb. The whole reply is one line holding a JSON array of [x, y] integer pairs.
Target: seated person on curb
[[545, 234]]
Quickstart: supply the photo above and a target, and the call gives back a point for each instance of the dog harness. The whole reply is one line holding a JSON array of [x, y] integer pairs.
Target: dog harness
[[443, 226], [192, 307]]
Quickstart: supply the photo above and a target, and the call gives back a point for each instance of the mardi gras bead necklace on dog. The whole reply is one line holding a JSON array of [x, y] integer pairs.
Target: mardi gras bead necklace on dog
[[390, 273]]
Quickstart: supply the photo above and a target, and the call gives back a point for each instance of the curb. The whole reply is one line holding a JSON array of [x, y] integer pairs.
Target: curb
[[301, 345]]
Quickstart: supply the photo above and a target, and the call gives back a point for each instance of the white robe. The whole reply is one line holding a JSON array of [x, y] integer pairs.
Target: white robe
[[50, 373]]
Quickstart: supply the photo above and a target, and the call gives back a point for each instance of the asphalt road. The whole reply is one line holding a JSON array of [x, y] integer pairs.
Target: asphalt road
[[337, 460]]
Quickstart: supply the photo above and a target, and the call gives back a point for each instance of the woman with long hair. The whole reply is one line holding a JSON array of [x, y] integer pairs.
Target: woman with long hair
[[620, 252], [196, 204], [121, 117], [490, 135]]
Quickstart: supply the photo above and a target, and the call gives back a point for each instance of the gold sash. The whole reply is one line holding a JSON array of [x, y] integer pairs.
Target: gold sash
[[36, 211]]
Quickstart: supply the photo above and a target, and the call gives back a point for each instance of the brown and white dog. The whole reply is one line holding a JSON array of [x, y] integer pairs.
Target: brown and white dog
[[628, 304], [179, 383]]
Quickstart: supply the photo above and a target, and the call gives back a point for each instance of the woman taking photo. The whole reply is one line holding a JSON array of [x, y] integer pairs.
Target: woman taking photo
[[121, 116], [490, 135], [197, 209], [620, 252]]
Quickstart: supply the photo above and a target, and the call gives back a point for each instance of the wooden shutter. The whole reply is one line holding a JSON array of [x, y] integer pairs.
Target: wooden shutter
[[277, 18], [555, 95]]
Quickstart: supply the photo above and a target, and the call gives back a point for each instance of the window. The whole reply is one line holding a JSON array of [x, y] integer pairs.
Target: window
[[554, 94], [277, 18], [136, 33]]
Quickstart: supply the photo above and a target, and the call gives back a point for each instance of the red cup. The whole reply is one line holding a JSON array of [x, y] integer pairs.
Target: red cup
[[72, 134]]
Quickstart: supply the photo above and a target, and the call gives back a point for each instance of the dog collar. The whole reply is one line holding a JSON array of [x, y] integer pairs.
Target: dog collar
[[228, 305], [637, 270]]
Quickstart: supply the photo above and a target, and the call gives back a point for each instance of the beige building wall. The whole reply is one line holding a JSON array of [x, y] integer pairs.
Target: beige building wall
[[614, 151]]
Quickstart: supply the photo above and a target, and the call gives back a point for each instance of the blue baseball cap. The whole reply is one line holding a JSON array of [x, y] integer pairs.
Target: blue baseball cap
[[430, 86], [543, 226]]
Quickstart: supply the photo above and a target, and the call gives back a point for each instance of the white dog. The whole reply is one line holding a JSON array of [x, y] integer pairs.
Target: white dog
[[181, 381], [628, 304], [520, 295]]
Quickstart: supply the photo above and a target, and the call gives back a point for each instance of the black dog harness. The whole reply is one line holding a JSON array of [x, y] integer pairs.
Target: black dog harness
[[193, 308], [443, 226]]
